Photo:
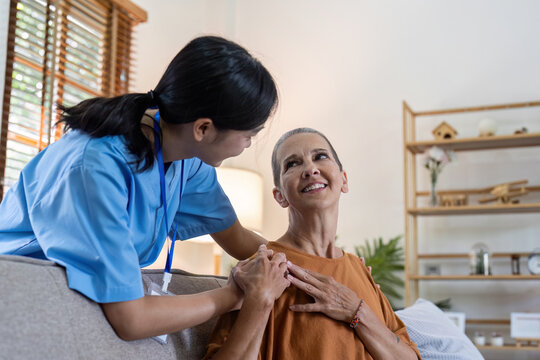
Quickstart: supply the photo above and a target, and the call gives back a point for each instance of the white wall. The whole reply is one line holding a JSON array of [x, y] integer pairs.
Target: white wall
[[344, 67], [171, 25]]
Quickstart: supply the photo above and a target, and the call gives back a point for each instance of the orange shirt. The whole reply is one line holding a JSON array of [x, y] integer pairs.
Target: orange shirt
[[303, 335]]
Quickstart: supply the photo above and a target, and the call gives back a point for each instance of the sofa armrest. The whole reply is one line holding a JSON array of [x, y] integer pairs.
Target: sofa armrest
[[42, 318]]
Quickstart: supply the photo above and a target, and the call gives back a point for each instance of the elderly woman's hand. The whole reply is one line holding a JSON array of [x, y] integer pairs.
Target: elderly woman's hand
[[333, 299], [263, 277]]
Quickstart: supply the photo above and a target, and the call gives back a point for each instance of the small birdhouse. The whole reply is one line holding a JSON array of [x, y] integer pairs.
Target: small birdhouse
[[444, 132]]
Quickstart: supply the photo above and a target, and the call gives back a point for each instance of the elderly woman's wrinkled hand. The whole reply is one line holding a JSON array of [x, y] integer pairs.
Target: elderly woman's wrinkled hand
[[331, 298], [263, 277]]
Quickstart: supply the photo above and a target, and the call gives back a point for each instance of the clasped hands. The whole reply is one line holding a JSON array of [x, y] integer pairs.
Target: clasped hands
[[262, 278], [266, 276]]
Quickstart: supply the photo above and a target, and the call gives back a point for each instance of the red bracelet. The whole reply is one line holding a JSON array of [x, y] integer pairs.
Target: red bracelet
[[356, 319]]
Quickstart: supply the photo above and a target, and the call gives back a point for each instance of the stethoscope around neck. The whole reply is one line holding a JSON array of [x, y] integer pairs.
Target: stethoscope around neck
[[161, 168]]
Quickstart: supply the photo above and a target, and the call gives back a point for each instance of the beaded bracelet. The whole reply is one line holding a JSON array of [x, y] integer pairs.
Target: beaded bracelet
[[356, 319]]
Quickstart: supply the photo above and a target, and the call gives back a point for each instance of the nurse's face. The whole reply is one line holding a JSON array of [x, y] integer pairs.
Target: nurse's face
[[228, 143]]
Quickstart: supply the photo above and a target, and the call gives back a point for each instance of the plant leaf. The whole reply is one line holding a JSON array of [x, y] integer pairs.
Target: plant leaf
[[386, 261]]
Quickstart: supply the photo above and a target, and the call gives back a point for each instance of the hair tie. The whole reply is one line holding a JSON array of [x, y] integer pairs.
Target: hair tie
[[153, 97]]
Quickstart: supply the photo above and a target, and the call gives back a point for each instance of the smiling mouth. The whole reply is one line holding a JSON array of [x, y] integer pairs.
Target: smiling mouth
[[313, 187]]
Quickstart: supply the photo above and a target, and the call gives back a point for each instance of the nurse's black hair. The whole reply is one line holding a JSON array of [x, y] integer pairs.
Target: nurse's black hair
[[276, 167], [210, 77]]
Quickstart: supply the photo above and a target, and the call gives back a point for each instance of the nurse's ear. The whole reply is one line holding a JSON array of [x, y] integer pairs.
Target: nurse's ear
[[204, 130], [280, 198]]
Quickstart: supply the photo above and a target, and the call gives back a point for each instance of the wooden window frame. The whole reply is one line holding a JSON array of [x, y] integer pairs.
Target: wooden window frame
[[121, 17]]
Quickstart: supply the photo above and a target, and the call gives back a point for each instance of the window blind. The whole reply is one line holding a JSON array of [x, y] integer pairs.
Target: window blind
[[59, 51]]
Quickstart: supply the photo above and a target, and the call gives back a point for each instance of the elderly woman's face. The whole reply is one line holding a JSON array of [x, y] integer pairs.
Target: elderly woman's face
[[309, 175]]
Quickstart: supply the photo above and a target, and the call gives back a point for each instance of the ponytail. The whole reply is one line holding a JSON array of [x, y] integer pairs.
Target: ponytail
[[120, 115], [210, 77]]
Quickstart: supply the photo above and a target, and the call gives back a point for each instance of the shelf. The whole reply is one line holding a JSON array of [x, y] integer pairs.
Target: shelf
[[526, 104], [477, 143], [509, 347], [487, 321], [476, 209], [474, 277], [481, 191], [466, 256]]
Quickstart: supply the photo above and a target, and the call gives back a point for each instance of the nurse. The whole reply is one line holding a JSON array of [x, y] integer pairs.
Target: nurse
[[135, 168]]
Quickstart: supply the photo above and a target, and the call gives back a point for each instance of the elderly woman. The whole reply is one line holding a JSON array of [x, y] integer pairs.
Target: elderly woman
[[333, 310]]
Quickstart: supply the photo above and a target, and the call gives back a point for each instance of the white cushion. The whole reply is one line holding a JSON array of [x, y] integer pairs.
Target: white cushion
[[437, 336]]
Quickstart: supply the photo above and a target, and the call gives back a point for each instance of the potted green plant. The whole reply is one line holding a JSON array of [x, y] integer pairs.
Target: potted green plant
[[386, 261]]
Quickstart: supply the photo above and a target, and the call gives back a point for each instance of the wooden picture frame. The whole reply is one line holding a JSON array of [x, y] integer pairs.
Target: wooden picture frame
[[457, 318]]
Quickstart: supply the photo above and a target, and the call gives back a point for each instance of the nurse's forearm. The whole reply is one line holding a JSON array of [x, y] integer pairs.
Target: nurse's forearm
[[238, 241], [157, 315]]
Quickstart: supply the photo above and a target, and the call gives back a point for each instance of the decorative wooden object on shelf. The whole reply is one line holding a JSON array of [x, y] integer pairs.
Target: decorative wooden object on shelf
[[523, 130], [454, 200], [504, 193], [444, 132], [514, 264]]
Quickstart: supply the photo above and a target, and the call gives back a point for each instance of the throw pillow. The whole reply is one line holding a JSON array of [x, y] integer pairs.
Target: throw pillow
[[436, 336]]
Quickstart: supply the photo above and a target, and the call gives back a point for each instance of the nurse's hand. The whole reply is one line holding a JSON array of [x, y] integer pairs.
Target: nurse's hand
[[235, 288], [261, 278], [236, 292]]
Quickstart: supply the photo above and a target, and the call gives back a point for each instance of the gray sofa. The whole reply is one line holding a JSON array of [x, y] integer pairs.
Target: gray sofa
[[41, 318]]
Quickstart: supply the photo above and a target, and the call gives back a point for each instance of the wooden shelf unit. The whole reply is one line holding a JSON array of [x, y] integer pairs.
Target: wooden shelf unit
[[413, 147]]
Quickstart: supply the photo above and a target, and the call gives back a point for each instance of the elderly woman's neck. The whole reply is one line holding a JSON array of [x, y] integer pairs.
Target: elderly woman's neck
[[314, 234]]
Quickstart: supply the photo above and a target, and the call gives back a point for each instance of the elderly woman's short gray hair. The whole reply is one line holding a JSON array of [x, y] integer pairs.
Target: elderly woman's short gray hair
[[275, 163]]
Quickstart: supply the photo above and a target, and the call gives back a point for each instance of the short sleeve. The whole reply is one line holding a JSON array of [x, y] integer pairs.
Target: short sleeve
[[204, 207], [82, 224]]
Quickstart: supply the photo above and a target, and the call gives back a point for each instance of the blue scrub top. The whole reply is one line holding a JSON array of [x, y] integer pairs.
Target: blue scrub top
[[81, 204]]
